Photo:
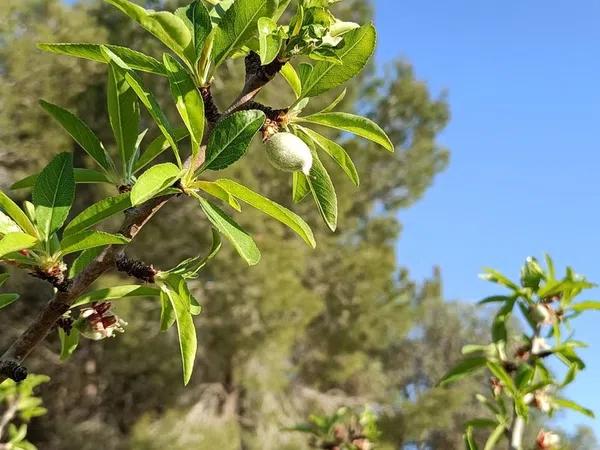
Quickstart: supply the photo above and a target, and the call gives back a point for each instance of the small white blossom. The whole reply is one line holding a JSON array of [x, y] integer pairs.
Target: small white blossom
[[546, 440]]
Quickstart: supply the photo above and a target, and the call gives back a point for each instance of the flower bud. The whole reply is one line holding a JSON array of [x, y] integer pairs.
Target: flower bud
[[289, 153], [100, 322], [542, 313], [547, 440]]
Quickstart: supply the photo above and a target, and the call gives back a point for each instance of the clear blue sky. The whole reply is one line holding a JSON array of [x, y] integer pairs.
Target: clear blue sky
[[523, 81]]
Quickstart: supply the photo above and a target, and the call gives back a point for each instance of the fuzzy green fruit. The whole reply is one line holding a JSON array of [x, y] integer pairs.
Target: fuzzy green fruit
[[289, 153]]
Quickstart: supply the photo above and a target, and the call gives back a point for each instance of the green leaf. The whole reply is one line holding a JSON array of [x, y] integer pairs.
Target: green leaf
[[238, 24], [270, 208], [496, 277], [82, 176], [241, 240], [124, 115], [300, 187], [53, 194], [231, 137], [361, 126], [98, 212], [116, 293], [7, 299], [153, 181], [289, 74], [17, 214], [217, 191], [68, 342], [494, 437], [7, 225], [157, 147], [146, 98], [197, 17], [13, 242], [3, 278], [89, 239], [338, 154], [167, 313], [269, 40], [470, 443], [165, 26], [83, 260], [359, 45], [586, 306], [93, 52], [499, 330], [81, 133], [569, 404], [187, 333], [321, 187], [462, 369], [188, 100], [190, 267], [494, 299]]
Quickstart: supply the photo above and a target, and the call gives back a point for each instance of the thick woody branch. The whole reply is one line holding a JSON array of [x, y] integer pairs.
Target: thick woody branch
[[257, 76]]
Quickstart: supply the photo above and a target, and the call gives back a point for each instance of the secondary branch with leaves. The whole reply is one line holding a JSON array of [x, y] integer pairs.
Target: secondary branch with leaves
[[314, 52]]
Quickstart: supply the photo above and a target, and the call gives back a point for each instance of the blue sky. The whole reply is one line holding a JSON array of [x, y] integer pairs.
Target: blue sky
[[523, 84]]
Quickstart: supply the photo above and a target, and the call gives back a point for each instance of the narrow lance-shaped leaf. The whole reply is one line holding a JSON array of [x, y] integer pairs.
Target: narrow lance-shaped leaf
[[17, 214], [153, 181], [188, 100], [321, 187], [187, 333], [93, 52], [495, 437], [8, 299], [68, 342], [300, 187], [289, 74], [338, 154], [270, 208], [124, 115], [13, 242], [231, 137], [166, 26], [361, 126], [269, 40], [238, 24], [359, 45], [198, 18], [217, 191], [81, 133], [82, 176], [241, 240], [147, 100], [98, 212], [462, 369], [116, 293], [586, 306], [89, 239], [53, 194], [570, 404]]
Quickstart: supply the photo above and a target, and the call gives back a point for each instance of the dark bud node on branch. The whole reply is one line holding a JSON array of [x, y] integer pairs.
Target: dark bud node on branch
[[13, 370], [136, 269]]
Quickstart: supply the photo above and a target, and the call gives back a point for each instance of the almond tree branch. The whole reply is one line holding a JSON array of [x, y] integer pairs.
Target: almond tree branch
[[257, 76], [11, 360]]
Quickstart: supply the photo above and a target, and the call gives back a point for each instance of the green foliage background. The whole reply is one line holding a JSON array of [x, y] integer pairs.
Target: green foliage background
[[303, 331]]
